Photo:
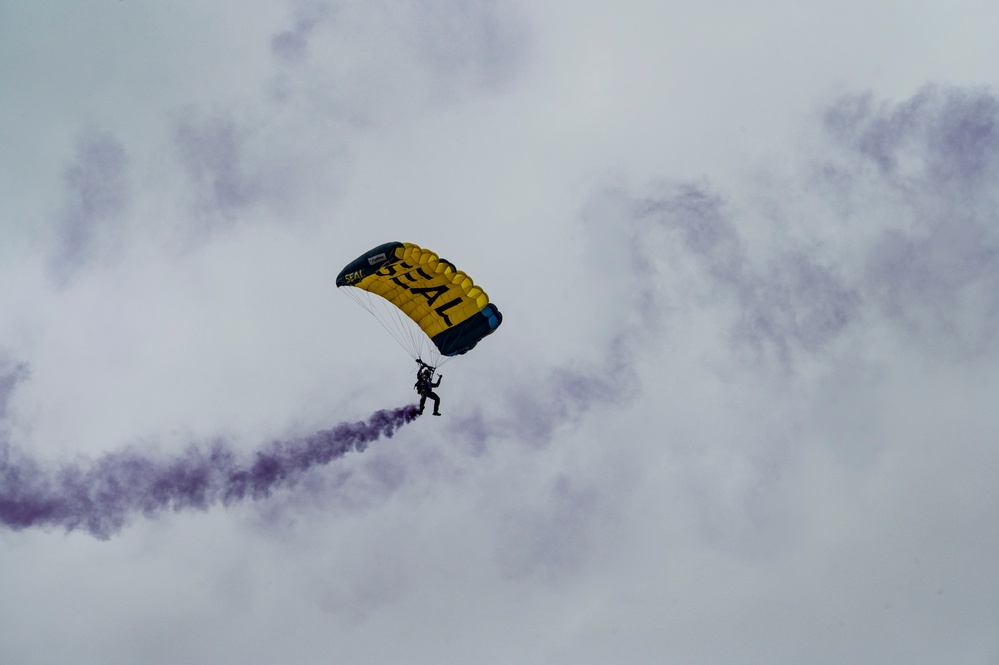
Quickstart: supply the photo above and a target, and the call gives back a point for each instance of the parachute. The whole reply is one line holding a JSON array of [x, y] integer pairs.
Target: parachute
[[433, 310]]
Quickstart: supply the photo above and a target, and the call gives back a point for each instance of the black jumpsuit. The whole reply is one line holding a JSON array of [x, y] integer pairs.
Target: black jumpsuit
[[423, 386]]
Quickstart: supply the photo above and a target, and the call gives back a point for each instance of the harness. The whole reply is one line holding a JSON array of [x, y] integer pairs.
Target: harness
[[424, 385]]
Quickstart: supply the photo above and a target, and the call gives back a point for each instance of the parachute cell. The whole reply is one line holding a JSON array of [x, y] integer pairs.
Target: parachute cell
[[426, 303]]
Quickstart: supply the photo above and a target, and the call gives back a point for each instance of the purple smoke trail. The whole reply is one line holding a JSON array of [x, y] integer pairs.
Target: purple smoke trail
[[100, 497]]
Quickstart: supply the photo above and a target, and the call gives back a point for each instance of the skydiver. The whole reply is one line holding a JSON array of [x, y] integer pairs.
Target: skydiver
[[425, 386]]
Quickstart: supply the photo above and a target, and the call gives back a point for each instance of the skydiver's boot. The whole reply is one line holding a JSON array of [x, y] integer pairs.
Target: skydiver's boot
[[437, 413]]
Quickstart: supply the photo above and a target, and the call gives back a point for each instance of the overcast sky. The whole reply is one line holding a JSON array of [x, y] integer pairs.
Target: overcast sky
[[741, 409]]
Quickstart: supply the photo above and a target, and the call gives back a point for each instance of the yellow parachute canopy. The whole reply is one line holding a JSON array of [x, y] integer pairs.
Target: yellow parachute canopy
[[448, 309]]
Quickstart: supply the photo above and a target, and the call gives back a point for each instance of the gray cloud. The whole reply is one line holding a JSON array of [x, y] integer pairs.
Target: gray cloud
[[789, 303], [563, 395], [945, 136], [212, 153], [97, 193], [291, 46], [11, 374], [481, 42], [539, 400], [426, 52], [937, 156], [930, 269], [555, 534]]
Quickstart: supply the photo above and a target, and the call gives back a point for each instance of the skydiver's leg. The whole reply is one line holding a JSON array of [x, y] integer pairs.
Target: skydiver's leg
[[437, 402], [423, 400]]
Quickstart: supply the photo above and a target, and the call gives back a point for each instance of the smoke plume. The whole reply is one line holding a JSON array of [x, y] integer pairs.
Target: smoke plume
[[100, 496]]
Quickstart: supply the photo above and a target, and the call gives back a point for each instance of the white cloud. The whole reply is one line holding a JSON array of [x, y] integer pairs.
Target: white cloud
[[740, 406]]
